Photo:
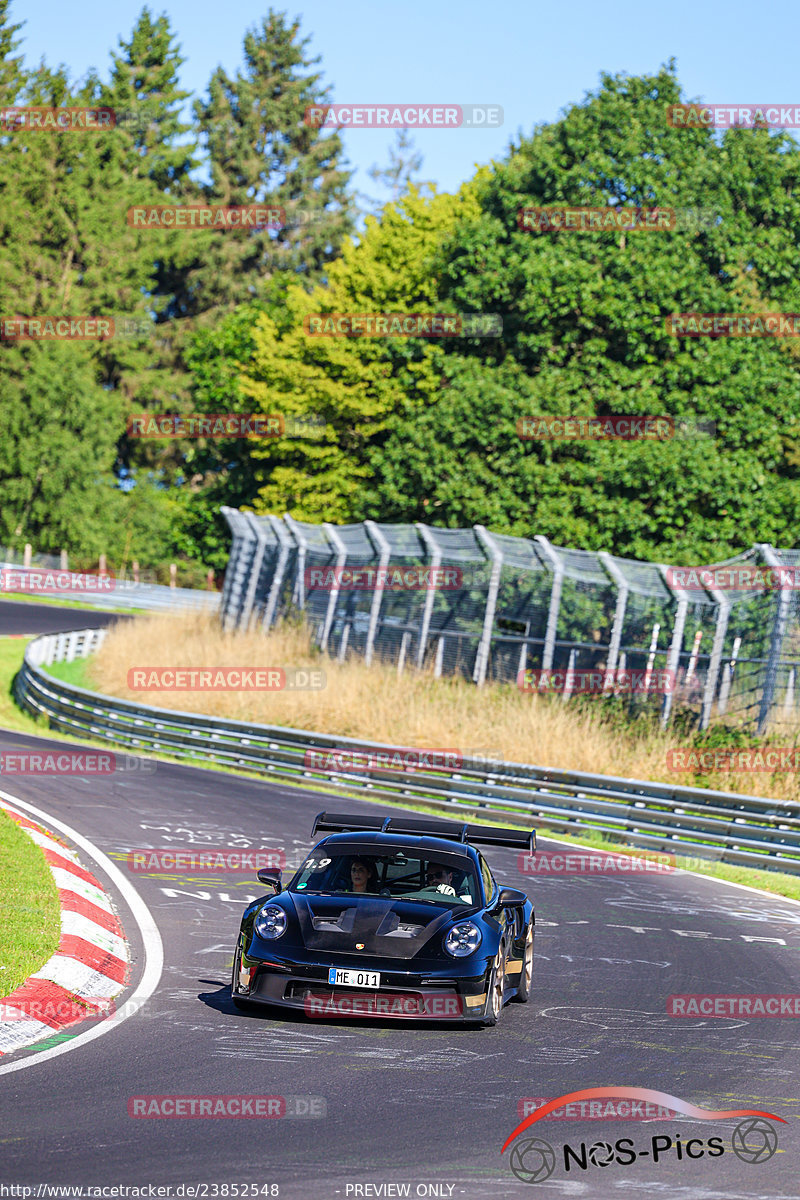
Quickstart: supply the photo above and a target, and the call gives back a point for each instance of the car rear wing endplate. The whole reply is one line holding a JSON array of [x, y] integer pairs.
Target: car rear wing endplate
[[486, 835]]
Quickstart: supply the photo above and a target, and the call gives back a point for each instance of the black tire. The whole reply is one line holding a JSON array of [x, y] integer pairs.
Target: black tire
[[526, 976], [239, 1001], [496, 992]]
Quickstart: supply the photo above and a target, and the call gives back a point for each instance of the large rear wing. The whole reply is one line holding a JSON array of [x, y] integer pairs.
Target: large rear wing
[[486, 835]]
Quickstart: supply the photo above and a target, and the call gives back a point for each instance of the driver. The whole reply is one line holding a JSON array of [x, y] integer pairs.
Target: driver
[[440, 877]]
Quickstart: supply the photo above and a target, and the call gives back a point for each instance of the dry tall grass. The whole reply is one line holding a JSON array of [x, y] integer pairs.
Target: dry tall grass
[[413, 710]]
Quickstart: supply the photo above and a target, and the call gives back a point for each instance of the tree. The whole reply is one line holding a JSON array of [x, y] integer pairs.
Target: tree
[[404, 162], [584, 334], [262, 151]]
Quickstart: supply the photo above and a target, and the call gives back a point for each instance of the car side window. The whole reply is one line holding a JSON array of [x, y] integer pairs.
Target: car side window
[[488, 880]]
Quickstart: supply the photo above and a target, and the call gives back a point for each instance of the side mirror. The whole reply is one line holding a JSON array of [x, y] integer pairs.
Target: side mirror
[[270, 878], [510, 897]]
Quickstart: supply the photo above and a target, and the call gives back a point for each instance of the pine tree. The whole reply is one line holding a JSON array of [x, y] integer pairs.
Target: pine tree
[[262, 151]]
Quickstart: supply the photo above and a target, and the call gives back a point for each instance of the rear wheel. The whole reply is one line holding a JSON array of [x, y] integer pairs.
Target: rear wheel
[[526, 976], [496, 993]]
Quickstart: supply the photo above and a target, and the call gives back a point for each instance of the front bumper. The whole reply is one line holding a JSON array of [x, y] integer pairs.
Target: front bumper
[[439, 993]]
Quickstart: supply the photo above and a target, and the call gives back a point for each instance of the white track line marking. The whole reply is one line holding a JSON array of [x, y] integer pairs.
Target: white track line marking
[[151, 938]]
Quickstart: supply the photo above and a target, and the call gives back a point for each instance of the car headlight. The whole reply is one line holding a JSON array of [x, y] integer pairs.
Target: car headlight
[[270, 922], [463, 939]]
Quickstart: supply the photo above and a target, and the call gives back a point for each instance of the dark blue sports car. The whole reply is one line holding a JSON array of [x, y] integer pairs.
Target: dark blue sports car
[[390, 917]]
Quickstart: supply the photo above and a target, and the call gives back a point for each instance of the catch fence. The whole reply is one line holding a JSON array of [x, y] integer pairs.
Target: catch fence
[[488, 606]]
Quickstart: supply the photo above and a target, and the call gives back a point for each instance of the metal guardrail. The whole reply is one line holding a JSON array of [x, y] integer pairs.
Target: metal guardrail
[[725, 826], [125, 594]]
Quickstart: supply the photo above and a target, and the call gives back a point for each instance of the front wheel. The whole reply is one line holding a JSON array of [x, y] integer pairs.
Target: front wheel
[[496, 994], [240, 1002], [526, 976]]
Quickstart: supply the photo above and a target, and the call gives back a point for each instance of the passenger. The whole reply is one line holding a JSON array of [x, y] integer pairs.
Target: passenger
[[363, 876]]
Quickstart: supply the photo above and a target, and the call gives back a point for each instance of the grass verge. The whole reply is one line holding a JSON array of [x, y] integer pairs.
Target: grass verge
[[31, 925]]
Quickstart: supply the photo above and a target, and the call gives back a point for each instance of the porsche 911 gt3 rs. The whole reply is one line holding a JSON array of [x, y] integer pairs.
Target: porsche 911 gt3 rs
[[395, 916]]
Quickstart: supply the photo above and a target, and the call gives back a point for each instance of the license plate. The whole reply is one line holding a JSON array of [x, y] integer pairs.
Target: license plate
[[365, 979]]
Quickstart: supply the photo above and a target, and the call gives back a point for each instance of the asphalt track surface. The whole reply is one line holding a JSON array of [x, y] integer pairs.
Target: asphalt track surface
[[428, 1106], [17, 617]]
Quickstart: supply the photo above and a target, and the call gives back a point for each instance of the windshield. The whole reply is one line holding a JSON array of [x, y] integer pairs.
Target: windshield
[[445, 879]]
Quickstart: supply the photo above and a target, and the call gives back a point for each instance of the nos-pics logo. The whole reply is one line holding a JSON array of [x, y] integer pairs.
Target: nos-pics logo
[[533, 1160]]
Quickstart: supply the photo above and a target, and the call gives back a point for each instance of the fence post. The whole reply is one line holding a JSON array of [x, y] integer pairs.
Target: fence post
[[484, 645], [727, 677], [384, 554], [436, 557], [173, 575], [285, 543], [64, 561], [401, 660], [27, 554], [721, 628], [523, 653], [245, 613], [299, 591], [788, 700], [235, 582], [613, 570], [569, 682], [674, 655], [341, 559], [437, 666], [776, 641], [555, 600]]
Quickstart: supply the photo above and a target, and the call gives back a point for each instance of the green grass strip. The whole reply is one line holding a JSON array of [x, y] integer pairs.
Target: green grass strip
[[31, 925]]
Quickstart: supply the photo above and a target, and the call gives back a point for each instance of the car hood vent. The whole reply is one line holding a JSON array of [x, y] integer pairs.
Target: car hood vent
[[387, 927]]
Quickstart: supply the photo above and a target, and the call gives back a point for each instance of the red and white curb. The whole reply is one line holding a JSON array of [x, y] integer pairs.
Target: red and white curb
[[91, 965]]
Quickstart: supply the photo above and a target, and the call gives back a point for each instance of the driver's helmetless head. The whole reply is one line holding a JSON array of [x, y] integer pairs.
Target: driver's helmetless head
[[359, 875], [437, 874]]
